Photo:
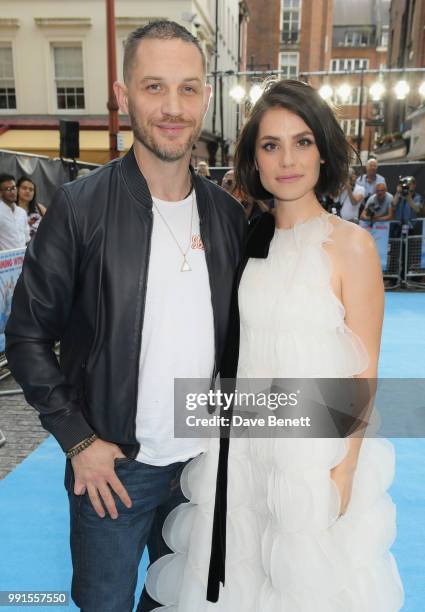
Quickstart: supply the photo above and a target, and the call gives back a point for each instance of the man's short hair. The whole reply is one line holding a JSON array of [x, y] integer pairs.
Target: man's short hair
[[6, 177], [161, 30]]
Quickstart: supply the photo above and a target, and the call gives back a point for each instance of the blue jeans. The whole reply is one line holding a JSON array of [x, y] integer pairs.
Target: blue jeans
[[106, 553]]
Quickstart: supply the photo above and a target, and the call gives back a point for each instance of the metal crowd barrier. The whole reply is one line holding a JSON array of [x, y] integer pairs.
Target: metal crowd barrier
[[392, 273], [414, 268]]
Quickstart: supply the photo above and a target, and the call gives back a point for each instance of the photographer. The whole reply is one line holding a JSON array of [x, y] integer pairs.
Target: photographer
[[351, 198], [378, 207], [407, 204]]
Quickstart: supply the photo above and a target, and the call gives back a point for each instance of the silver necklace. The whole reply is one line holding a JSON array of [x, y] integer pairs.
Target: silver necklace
[[185, 267]]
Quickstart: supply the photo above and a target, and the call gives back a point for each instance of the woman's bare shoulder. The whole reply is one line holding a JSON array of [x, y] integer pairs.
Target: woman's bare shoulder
[[351, 239]]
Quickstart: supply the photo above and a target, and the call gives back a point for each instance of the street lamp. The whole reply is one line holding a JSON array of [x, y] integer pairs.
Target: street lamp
[[255, 93], [401, 90], [344, 92], [376, 91], [326, 92], [237, 93]]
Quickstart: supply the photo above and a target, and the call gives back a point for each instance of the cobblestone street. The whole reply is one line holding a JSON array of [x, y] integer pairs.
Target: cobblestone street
[[21, 427]]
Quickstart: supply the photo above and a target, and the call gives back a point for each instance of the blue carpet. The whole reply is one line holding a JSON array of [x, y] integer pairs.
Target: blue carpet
[[33, 505]]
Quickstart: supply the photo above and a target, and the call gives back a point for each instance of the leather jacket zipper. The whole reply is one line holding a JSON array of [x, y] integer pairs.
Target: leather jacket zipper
[[141, 320], [212, 289]]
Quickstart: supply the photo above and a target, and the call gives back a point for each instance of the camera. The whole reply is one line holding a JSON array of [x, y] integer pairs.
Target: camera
[[372, 209], [405, 182]]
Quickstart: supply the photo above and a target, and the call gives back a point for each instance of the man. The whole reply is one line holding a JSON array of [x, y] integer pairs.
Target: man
[[407, 203], [14, 228], [369, 180], [351, 198], [132, 269], [378, 207], [228, 181]]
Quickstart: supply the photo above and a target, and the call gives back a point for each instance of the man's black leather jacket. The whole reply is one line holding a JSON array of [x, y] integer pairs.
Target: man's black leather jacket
[[84, 283]]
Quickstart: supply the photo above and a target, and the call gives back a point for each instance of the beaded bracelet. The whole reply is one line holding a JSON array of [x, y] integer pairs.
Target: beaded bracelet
[[81, 446]]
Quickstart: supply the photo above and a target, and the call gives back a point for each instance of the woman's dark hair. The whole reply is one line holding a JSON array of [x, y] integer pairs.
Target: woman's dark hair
[[32, 205], [305, 102]]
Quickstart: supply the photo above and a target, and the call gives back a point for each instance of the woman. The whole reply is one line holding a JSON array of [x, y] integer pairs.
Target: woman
[[309, 521], [27, 199]]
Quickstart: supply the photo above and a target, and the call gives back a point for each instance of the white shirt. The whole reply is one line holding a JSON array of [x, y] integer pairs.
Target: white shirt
[[177, 335], [350, 211], [14, 228], [370, 187]]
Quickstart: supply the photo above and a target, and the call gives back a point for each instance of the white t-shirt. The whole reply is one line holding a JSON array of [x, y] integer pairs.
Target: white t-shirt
[[14, 228], [350, 211], [178, 332]]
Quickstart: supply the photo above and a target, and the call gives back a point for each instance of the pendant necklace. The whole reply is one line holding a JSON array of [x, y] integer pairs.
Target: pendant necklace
[[185, 267]]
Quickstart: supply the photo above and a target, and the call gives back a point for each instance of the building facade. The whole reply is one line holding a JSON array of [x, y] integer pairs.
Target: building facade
[[405, 119], [263, 42], [53, 65], [293, 36], [360, 43]]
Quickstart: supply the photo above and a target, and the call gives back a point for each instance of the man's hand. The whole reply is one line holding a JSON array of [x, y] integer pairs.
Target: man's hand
[[94, 472]]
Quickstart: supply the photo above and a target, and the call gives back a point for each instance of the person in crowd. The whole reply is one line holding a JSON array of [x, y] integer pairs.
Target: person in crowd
[[27, 199], [14, 228], [351, 198], [407, 204], [228, 181], [139, 255], [378, 206], [309, 519], [370, 179], [203, 169]]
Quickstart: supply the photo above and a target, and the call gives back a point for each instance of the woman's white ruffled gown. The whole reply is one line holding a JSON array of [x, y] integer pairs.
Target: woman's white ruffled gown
[[287, 550]]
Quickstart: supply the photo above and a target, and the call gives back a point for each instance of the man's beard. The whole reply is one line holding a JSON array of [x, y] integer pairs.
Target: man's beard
[[163, 153]]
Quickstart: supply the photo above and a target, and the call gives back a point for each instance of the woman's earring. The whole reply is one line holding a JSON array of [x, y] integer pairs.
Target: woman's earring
[[322, 161]]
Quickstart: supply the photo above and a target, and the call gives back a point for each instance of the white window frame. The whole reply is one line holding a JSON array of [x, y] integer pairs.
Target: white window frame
[[348, 124], [58, 43], [354, 99], [348, 64], [8, 44], [281, 65], [352, 38], [292, 10]]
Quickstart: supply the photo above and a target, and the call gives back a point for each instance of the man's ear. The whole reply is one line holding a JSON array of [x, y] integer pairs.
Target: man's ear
[[121, 94]]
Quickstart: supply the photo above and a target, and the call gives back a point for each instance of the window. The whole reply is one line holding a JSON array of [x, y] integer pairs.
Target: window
[[384, 39], [68, 62], [354, 99], [289, 65], [349, 65], [357, 38], [350, 127], [291, 10], [7, 79]]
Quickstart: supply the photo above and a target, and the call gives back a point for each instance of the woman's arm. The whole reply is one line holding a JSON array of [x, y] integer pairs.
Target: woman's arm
[[363, 299]]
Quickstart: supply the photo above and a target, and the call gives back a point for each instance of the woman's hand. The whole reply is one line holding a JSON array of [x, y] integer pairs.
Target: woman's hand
[[343, 476]]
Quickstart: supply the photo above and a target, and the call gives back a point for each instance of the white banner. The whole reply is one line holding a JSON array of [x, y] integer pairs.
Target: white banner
[[10, 269]]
